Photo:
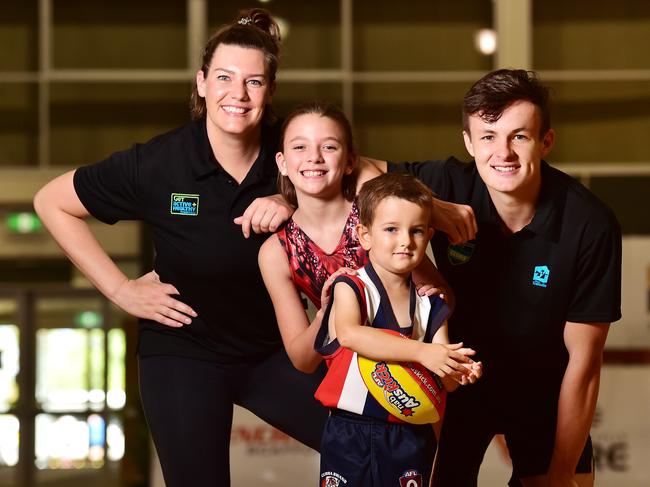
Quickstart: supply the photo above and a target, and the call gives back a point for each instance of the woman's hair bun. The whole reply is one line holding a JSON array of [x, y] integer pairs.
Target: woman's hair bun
[[260, 18]]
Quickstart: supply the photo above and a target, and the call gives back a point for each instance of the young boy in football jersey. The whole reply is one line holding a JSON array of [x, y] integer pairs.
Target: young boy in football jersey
[[366, 440]]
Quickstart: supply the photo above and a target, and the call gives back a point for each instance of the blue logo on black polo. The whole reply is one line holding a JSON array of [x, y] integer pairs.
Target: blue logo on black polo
[[540, 275], [185, 204]]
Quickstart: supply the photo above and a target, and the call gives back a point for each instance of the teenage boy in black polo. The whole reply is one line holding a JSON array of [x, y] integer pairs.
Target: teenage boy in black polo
[[535, 291]]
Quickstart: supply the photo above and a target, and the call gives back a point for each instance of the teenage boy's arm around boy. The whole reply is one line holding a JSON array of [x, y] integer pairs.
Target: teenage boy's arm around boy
[[268, 213], [578, 395], [456, 220], [444, 360]]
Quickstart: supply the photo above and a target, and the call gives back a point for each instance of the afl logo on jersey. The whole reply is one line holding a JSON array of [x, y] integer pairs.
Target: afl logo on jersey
[[184, 204], [460, 253], [411, 478]]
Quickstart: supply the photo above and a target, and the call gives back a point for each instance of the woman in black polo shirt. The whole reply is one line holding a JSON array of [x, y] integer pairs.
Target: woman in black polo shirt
[[208, 338]]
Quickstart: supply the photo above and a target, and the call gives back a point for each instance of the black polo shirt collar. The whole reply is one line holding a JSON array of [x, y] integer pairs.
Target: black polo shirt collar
[[547, 221], [205, 163]]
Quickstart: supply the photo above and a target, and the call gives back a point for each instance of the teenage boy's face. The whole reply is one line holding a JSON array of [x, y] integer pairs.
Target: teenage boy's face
[[508, 152], [398, 237]]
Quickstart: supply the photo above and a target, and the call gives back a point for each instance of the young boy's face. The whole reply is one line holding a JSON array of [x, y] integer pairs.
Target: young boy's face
[[398, 236]]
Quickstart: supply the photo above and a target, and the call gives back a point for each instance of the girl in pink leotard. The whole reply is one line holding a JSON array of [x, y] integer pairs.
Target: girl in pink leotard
[[317, 173]]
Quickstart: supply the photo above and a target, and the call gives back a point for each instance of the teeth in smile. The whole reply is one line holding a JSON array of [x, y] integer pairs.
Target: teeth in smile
[[234, 109], [312, 173], [505, 168]]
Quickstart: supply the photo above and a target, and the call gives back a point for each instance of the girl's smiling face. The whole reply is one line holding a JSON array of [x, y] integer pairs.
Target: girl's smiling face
[[315, 155]]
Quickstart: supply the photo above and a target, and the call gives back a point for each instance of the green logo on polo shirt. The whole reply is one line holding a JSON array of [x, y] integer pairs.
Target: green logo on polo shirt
[[185, 204], [461, 253]]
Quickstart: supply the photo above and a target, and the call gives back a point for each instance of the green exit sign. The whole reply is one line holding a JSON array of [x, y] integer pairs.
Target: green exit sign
[[88, 319], [23, 222]]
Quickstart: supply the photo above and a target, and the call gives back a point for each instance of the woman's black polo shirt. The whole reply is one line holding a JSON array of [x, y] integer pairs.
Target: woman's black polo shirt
[[515, 293], [174, 184]]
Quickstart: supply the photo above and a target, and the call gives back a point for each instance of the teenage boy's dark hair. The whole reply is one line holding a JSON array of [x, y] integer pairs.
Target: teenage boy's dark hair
[[391, 185], [495, 91]]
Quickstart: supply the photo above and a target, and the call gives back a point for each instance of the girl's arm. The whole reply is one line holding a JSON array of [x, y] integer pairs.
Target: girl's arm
[[298, 335]]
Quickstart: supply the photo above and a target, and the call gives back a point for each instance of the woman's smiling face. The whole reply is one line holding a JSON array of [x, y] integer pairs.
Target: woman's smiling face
[[236, 89]]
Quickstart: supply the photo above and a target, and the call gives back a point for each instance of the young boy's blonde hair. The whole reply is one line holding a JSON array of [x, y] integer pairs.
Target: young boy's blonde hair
[[391, 185]]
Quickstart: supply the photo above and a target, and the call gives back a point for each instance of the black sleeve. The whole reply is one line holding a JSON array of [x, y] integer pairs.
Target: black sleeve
[[597, 296], [322, 337], [439, 313], [356, 286], [109, 189], [432, 173]]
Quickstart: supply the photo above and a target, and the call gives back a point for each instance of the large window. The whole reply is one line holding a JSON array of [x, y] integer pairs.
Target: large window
[[62, 389]]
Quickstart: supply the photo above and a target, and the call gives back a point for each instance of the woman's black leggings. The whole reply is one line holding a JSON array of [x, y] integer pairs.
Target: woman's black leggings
[[189, 405]]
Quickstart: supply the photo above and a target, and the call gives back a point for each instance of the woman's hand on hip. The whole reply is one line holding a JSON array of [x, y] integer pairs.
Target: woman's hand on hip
[[147, 297]]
